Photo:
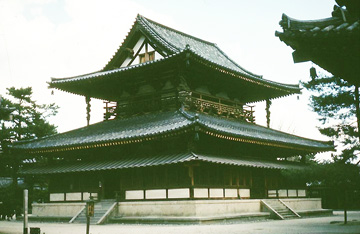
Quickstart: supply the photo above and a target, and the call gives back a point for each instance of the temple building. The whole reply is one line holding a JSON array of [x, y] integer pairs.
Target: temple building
[[178, 139], [332, 43]]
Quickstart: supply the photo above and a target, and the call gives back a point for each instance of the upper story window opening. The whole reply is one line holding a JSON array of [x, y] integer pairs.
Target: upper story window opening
[[147, 56]]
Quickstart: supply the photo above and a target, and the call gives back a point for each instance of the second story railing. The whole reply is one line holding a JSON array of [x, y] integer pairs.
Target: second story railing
[[192, 101]]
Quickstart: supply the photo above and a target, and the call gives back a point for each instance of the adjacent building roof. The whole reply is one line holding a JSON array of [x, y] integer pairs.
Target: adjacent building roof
[[152, 126], [156, 160], [173, 45], [332, 43]]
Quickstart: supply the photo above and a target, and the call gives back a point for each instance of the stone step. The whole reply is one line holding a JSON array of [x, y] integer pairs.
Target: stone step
[[100, 209]]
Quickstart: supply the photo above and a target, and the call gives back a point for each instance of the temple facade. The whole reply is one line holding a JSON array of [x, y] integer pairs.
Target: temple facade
[[179, 131]]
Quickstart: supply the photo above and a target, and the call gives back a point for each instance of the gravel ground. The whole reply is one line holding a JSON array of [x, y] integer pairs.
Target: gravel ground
[[332, 224]]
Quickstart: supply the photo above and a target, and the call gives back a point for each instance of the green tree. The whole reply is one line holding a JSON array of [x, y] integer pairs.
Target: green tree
[[337, 103], [27, 120]]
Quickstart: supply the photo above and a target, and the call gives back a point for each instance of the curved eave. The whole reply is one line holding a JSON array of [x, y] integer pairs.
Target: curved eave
[[286, 89], [87, 85], [318, 30], [296, 24], [105, 143], [252, 140], [185, 122], [67, 84]]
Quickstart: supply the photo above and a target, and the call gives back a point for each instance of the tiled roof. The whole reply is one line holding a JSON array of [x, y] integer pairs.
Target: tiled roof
[[332, 27], [176, 41], [113, 131], [156, 160], [332, 43], [176, 44], [286, 88], [151, 126], [256, 132]]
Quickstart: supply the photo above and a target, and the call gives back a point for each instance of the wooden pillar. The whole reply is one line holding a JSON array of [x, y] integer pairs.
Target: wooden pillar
[[88, 99], [268, 104], [191, 175]]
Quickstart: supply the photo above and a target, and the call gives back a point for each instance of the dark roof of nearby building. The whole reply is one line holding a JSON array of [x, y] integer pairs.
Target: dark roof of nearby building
[[174, 44], [333, 43], [157, 160], [151, 126], [6, 182]]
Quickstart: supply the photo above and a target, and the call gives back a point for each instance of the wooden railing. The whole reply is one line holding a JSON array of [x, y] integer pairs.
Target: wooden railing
[[192, 100], [221, 107]]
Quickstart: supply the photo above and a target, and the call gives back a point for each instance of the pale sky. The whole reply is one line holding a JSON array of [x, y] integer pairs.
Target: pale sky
[[40, 39]]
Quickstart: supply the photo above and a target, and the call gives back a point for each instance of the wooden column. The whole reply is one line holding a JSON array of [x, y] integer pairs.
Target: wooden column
[[191, 175], [268, 104], [88, 99]]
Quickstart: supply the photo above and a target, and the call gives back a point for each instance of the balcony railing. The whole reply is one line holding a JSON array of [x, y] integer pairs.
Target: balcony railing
[[221, 107], [192, 101]]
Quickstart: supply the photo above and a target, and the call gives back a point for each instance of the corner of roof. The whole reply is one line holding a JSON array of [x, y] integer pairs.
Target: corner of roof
[[194, 155], [187, 115]]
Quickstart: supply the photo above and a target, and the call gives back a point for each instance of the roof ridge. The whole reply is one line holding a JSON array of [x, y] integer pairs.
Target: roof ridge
[[143, 21], [176, 31], [286, 21]]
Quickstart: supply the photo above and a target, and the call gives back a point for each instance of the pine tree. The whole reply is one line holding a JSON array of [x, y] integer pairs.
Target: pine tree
[[337, 103], [21, 118]]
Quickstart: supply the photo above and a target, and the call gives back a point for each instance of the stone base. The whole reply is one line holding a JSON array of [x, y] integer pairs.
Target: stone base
[[189, 211], [191, 220]]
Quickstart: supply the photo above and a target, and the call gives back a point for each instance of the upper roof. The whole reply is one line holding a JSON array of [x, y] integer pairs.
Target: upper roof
[[171, 44], [156, 125], [332, 43], [175, 41]]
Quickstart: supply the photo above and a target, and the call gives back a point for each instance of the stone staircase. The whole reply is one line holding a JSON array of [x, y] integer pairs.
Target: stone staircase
[[280, 209], [102, 210]]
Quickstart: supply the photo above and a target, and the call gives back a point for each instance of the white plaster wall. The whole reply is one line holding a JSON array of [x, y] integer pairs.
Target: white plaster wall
[[57, 197], [56, 209], [282, 193], [134, 194], [292, 193], [231, 193], [302, 193], [179, 193], [73, 196], [201, 192], [216, 193], [303, 203], [244, 193], [155, 194]]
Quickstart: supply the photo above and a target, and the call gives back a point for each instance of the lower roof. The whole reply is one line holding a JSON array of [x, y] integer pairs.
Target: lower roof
[[165, 124], [156, 160]]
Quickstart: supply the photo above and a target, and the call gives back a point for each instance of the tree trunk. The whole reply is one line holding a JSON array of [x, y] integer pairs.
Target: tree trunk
[[357, 108], [345, 206]]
